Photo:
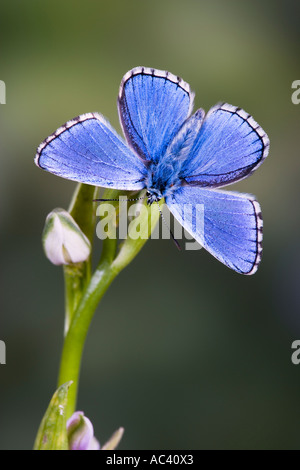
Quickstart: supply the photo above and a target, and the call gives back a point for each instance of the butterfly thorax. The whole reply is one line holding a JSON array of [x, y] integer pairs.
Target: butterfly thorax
[[167, 175], [162, 180]]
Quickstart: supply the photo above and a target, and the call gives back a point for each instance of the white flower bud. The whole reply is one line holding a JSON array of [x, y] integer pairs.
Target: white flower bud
[[63, 241]]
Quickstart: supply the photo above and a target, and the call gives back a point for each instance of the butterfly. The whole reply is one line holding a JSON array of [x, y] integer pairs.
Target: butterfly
[[182, 157]]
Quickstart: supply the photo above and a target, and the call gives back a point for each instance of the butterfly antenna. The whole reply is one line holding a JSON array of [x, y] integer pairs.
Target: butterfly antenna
[[165, 222], [117, 200]]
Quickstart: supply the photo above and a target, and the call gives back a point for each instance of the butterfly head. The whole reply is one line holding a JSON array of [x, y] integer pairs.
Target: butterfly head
[[153, 195], [157, 189]]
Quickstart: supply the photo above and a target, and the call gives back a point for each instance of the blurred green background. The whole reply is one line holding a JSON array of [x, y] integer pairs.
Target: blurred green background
[[183, 352]]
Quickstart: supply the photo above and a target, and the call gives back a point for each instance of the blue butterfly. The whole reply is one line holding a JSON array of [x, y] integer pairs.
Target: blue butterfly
[[174, 155]]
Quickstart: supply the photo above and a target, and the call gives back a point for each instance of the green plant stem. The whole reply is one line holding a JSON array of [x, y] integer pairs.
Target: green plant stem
[[75, 338], [77, 276], [103, 276]]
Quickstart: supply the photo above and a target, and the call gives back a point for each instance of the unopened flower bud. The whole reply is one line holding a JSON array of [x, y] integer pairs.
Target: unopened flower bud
[[81, 433], [63, 241]]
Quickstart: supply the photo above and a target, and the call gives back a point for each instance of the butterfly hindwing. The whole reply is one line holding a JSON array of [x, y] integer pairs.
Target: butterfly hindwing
[[229, 147], [232, 229], [88, 150], [153, 104]]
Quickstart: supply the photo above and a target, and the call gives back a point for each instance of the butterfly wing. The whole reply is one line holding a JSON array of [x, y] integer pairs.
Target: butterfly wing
[[88, 150], [232, 229], [153, 104], [229, 147]]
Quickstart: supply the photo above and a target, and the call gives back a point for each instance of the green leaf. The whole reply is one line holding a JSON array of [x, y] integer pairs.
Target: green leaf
[[113, 442], [52, 433]]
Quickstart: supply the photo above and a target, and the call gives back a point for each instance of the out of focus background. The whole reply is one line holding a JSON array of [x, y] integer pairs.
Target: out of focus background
[[183, 352]]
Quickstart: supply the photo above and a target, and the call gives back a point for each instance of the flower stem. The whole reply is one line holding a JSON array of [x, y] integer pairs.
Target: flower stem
[[77, 276], [75, 338], [110, 265]]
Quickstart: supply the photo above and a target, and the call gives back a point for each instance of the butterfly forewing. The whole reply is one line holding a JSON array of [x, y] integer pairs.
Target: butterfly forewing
[[153, 104], [228, 148], [88, 150]]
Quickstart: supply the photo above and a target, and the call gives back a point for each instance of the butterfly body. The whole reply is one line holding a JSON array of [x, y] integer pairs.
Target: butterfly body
[[168, 173], [163, 178], [174, 155]]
